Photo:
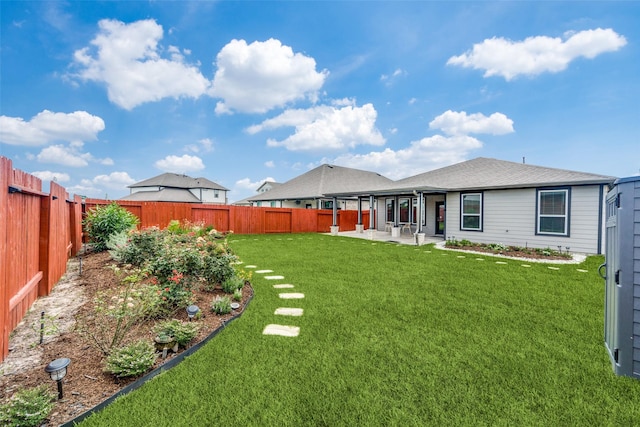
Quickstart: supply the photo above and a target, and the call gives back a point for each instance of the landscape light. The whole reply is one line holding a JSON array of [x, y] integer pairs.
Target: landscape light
[[57, 370], [192, 310]]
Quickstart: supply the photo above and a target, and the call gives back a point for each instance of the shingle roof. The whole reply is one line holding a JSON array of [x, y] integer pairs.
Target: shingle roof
[[174, 180], [485, 173], [165, 195], [323, 180]]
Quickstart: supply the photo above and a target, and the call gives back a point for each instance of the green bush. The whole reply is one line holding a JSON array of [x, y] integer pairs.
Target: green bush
[[102, 222], [182, 332], [221, 305], [231, 284], [29, 407], [131, 360], [237, 295]]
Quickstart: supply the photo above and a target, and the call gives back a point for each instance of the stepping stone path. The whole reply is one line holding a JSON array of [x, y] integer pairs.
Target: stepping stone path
[[286, 311], [293, 295], [283, 330]]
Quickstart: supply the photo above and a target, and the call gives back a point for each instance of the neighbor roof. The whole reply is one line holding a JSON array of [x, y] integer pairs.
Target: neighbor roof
[[164, 195], [174, 180], [323, 180], [484, 173]]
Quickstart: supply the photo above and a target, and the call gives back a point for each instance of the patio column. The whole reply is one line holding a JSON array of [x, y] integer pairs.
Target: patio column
[[359, 225], [421, 214], [372, 217], [395, 230], [334, 227]]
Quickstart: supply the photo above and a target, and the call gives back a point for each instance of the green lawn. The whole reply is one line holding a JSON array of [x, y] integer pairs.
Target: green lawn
[[397, 335]]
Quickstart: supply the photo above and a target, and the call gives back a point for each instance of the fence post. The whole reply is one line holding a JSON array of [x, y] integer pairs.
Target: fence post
[[5, 169]]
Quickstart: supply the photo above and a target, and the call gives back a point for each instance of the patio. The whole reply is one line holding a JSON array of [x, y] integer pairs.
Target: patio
[[385, 236]]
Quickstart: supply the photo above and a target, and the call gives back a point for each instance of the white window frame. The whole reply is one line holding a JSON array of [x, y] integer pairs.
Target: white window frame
[[479, 214], [565, 214]]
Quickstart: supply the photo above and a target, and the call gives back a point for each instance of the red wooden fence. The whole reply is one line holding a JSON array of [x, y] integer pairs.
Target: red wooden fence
[[239, 219], [39, 232]]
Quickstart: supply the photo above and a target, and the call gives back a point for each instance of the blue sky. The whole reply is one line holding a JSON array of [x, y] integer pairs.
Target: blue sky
[[101, 95]]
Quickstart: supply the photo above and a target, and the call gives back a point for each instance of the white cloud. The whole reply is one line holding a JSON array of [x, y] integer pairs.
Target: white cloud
[[204, 145], [325, 128], [127, 59], [47, 127], [182, 164], [247, 184], [61, 155], [69, 156], [52, 176], [115, 180], [270, 164], [422, 155], [459, 123], [389, 79], [260, 76], [536, 55]]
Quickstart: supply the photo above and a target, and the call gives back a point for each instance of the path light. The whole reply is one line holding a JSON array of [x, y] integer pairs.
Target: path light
[[58, 369], [192, 310]]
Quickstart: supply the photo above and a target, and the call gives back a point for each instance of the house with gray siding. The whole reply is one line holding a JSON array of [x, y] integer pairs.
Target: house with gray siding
[[495, 201]]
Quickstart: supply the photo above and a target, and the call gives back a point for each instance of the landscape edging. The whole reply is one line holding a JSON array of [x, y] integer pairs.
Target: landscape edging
[[164, 367]]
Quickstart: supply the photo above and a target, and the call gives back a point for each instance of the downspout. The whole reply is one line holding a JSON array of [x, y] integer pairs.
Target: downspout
[[600, 217], [335, 211]]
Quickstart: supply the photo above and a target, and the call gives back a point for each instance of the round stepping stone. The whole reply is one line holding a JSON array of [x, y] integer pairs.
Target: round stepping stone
[[274, 277], [525, 265], [281, 330], [501, 262], [286, 311], [264, 271], [553, 268], [250, 266], [582, 271], [479, 259], [294, 295], [461, 256], [284, 286]]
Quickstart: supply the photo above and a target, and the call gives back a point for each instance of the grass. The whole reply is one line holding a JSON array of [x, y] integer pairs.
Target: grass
[[398, 335]]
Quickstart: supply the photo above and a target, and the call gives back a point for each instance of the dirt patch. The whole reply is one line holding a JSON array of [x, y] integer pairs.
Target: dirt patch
[[85, 385]]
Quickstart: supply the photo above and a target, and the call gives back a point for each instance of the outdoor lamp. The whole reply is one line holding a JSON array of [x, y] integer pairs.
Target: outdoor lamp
[[58, 369], [192, 310]]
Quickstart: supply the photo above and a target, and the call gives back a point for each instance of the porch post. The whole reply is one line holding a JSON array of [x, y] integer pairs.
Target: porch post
[[334, 227], [372, 213], [359, 225], [421, 216], [395, 230]]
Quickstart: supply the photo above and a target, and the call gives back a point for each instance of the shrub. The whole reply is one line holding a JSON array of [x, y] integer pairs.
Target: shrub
[[131, 360], [103, 222], [237, 295], [29, 407], [182, 332], [221, 305], [231, 284]]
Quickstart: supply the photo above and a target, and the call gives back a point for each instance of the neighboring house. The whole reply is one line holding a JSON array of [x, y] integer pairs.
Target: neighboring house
[[265, 186], [494, 201], [307, 190], [171, 187]]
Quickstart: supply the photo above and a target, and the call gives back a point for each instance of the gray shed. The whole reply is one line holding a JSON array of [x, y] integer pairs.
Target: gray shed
[[622, 277]]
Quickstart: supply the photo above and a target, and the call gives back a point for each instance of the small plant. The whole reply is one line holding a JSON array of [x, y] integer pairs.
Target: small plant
[[221, 305], [232, 284], [102, 222], [237, 295], [131, 360], [182, 332], [29, 407]]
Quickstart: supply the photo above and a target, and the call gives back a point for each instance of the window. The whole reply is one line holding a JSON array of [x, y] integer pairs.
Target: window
[[272, 204], [471, 211], [216, 193], [389, 210], [404, 210], [553, 212]]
